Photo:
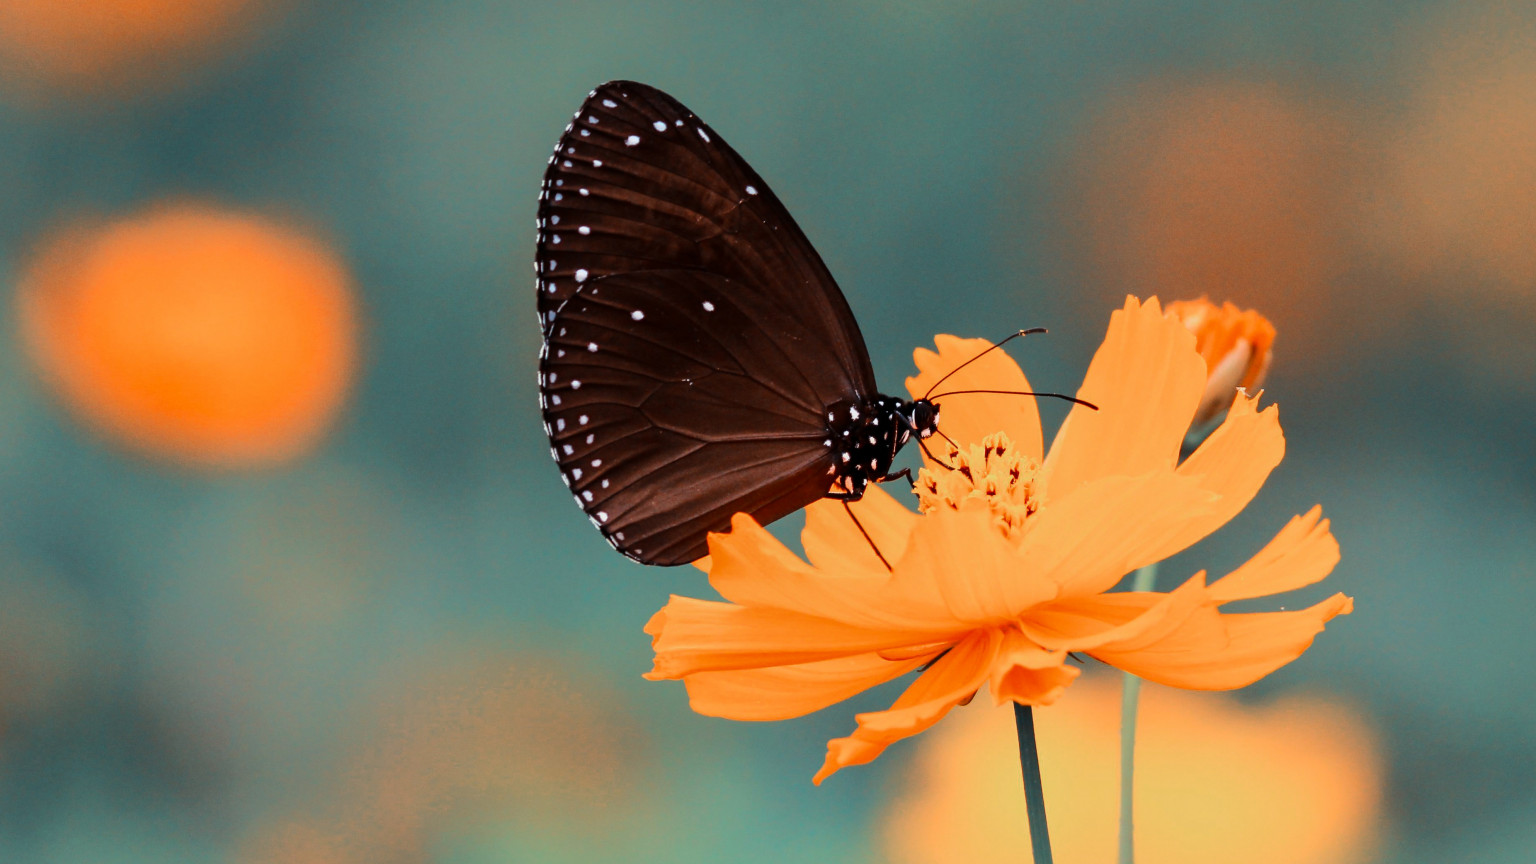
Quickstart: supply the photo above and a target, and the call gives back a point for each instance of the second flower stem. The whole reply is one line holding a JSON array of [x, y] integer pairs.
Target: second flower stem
[[1034, 793], [1130, 697]]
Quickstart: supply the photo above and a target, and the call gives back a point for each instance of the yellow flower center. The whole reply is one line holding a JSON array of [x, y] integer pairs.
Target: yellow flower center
[[993, 471]]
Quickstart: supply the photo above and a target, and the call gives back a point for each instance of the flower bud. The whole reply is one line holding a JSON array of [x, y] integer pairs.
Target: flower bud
[[1237, 346]]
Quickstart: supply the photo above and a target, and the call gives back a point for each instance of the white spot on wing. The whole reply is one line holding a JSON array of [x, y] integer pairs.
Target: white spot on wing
[[592, 346], [569, 450], [584, 192], [703, 134], [708, 306], [637, 315], [631, 140], [661, 125], [584, 230], [609, 103], [581, 275], [751, 190], [597, 463]]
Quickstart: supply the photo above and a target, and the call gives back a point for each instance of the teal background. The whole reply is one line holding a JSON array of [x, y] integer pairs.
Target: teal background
[[218, 647]]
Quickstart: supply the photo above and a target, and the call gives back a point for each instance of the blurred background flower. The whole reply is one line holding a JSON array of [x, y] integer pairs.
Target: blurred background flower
[[1297, 781], [195, 664], [196, 334], [116, 47]]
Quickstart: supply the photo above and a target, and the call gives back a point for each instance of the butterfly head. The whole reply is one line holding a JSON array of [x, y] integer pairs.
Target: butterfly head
[[922, 417]]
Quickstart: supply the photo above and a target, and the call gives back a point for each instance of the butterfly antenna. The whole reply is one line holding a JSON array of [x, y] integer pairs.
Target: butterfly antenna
[[995, 345], [868, 539], [1073, 399]]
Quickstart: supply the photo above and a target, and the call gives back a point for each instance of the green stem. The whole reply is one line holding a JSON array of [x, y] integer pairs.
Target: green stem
[[1130, 697], [1034, 793]]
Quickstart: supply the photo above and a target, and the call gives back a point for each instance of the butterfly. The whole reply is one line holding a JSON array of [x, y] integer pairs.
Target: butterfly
[[698, 359]]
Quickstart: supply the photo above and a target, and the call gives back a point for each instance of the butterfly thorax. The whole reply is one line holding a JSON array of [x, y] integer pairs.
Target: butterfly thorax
[[864, 437]]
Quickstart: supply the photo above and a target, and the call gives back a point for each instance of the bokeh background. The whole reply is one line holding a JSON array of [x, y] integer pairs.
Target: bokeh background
[[285, 573]]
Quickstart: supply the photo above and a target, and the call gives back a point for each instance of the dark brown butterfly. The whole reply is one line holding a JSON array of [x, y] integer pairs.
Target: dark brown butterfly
[[698, 358]]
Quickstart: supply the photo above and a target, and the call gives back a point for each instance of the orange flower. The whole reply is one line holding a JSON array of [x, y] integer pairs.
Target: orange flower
[[1295, 780], [1007, 570], [1237, 345], [188, 332], [115, 46]]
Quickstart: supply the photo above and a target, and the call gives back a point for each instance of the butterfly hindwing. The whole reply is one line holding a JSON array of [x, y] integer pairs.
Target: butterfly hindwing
[[661, 419]]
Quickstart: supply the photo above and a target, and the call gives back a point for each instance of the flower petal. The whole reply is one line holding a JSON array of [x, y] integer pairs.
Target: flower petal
[[1120, 619], [1087, 541], [749, 566], [1253, 646], [960, 573], [833, 543], [691, 636], [970, 417], [782, 692], [1302, 553], [951, 680], [1146, 380], [1233, 463], [1028, 674]]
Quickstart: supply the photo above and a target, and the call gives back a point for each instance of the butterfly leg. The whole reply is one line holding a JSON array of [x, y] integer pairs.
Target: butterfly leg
[[898, 475], [870, 540]]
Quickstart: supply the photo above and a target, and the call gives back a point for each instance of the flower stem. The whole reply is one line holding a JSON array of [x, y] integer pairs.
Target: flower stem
[[1034, 793], [1130, 697]]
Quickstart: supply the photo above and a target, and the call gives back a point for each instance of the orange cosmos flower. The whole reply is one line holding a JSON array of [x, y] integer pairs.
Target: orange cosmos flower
[[207, 336], [1237, 345], [1006, 570], [1294, 780]]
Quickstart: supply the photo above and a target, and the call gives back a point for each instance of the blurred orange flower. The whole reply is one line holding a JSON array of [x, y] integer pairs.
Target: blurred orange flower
[[192, 333], [1008, 567], [97, 46], [1237, 345], [1298, 780]]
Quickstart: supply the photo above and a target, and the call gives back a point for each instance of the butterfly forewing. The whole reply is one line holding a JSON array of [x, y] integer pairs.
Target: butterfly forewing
[[639, 183], [661, 417]]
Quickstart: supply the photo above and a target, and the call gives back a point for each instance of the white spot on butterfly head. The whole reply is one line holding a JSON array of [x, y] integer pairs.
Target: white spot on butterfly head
[[708, 306], [661, 125], [584, 230], [637, 315], [751, 190], [631, 140], [581, 275]]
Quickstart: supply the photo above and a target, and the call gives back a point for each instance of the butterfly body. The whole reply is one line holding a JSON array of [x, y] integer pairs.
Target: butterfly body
[[698, 359]]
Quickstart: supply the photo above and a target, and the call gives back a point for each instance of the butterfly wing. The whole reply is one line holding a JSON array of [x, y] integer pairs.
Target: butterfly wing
[[693, 338], [662, 419], [639, 183]]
